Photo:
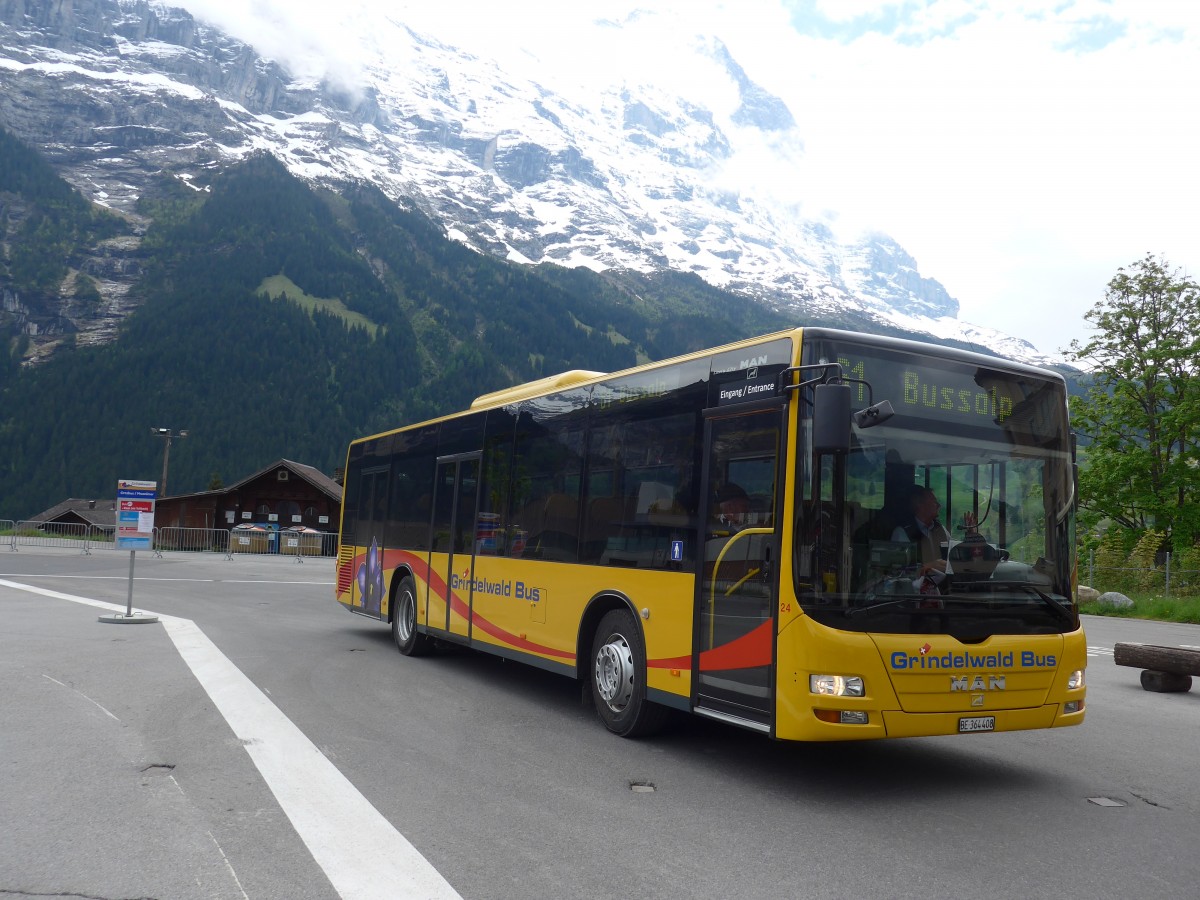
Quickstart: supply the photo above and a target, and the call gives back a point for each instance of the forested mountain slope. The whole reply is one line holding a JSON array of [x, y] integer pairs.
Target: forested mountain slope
[[384, 321]]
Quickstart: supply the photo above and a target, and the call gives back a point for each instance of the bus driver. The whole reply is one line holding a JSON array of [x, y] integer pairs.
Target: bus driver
[[930, 535]]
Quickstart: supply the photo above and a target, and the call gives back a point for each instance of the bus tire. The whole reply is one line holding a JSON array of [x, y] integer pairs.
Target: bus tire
[[618, 677], [404, 620]]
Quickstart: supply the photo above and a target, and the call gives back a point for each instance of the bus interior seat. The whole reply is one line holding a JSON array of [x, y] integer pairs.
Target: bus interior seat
[[762, 509], [605, 517], [562, 513], [556, 534]]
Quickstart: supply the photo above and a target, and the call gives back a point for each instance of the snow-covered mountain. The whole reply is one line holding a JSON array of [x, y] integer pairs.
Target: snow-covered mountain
[[612, 174]]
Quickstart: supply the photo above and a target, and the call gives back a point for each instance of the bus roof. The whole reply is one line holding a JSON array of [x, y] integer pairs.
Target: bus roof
[[531, 388], [562, 380], [573, 377]]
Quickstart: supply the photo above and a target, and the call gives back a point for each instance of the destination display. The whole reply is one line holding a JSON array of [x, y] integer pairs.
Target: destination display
[[944, 392]]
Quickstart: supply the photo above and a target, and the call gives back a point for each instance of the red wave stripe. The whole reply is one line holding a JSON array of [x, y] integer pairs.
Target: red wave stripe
[[420, 567], [671, 662], [746, 652]]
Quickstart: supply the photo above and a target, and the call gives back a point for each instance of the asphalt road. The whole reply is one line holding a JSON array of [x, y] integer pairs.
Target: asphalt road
[[134, 763]]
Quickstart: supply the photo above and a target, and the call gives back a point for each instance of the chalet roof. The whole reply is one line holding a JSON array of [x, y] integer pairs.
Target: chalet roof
[[315, 477], [94, 512]]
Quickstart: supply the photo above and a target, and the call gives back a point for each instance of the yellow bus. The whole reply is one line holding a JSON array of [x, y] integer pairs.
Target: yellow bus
[[733, 533]]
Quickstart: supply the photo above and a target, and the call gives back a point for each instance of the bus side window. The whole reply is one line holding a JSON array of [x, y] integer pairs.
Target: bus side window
[[547, 471]]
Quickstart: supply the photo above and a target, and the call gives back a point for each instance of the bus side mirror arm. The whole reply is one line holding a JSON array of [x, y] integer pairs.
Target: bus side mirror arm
[[831, 416]]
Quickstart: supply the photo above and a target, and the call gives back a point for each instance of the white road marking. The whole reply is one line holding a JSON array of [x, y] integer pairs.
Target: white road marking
[[83, 695], [360, 852], [261, 581], [187, 580], [229, 866]]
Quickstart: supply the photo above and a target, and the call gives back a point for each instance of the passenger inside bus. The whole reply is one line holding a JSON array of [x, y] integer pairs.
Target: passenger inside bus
[[733, 508]]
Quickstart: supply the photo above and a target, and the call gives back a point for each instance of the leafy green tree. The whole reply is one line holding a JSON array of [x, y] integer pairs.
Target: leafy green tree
[[1142, 409]]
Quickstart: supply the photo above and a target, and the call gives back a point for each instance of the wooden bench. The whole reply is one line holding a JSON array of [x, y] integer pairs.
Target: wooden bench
[[1164, 669]]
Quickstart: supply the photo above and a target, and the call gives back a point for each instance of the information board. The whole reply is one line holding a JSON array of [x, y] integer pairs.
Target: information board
[[135, 514]]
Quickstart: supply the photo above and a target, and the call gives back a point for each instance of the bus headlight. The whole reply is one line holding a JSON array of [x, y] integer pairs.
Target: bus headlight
[[1075, 681], [836, 685]]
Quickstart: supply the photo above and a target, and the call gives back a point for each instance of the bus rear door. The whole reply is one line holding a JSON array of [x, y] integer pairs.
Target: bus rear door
[[452, 554]]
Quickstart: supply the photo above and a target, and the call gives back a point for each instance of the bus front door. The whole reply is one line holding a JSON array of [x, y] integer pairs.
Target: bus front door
[[735, 646], [452, 549]]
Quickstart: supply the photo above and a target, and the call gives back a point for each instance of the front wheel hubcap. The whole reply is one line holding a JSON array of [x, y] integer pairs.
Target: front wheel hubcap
[[614, 673]]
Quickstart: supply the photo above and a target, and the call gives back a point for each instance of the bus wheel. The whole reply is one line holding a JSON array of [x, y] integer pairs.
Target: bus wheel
[[619, 677], [404, 620]]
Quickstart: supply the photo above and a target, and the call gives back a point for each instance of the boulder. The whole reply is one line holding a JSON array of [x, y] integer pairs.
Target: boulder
[[1115, 599], [1086, 594]]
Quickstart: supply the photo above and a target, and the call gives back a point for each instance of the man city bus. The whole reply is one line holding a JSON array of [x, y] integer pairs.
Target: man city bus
[[575, 523]]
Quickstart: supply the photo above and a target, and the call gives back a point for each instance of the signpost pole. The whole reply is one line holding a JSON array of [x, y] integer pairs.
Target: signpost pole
[[129, 606]]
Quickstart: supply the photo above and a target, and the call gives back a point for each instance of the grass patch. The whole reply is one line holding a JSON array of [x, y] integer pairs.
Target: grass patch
[[1148, 606], [616, 337], [281, 285]]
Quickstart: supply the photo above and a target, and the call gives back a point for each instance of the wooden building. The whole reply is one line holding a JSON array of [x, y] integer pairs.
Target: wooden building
[[285, 494], [77, 514]]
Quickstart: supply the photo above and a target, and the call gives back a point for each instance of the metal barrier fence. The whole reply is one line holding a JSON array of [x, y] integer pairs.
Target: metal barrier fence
[[295, 543], [191, 540], [1168, 579], [72, 535], [300, 543]]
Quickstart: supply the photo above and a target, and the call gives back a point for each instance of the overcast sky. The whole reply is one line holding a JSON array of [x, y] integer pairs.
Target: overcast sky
[[1021, 150]]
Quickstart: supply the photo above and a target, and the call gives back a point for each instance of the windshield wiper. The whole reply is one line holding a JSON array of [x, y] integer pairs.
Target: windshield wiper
[[871, 607], [971, 587], [1056, 607]]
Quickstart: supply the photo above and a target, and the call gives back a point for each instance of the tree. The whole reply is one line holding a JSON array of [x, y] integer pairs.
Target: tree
[[1142, 409]]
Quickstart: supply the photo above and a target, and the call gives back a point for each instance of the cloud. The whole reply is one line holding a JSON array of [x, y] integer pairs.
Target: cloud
[[1018, 160], [314, 41], [1020, 150]]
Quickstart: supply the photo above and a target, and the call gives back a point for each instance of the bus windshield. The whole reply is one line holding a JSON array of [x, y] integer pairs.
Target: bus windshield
[[954, 517]]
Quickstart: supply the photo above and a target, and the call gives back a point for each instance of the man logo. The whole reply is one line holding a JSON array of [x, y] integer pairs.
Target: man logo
[[977, 700], [977, 683]]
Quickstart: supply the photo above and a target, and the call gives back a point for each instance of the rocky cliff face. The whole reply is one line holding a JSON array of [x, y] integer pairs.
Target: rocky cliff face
[[112, 92], [116, 92]]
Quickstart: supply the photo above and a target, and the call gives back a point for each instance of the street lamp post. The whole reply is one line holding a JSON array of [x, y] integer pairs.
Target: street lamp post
[[169, 435]]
